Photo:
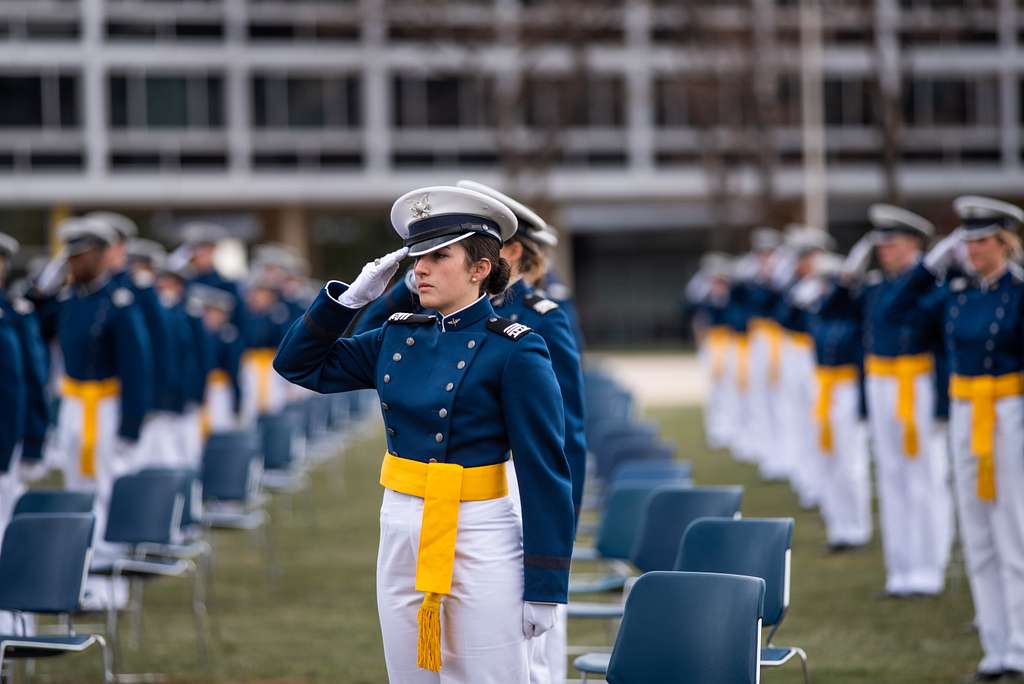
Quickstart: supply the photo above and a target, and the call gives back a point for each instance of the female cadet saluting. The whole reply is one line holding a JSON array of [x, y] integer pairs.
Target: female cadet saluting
[[458, 391], [982, 318]]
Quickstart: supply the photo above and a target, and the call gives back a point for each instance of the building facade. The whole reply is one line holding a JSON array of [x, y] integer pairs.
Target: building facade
[[648, 129]]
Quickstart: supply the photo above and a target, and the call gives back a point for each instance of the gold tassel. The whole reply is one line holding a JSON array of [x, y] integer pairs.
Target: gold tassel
[[428, 646]]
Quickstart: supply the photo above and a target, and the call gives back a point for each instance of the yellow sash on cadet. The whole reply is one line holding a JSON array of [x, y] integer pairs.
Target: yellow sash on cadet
[[742, 360], [799, 339], [218, 377], [90, 393], [263, 359], [441, 486], [983, 391], [773, 334], [905, 369], [828, 378], [717, 341]]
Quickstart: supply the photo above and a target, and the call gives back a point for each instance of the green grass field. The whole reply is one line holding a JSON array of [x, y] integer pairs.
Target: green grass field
[[316, 621]]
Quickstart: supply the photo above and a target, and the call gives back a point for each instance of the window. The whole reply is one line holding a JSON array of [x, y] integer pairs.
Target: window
[[443, 101], [193, 101], [848, 102], [564, 101], [49, 101], [947, 101], [280, 101]]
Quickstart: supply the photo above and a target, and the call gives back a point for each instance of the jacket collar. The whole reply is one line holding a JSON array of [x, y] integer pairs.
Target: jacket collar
[[467, 316]]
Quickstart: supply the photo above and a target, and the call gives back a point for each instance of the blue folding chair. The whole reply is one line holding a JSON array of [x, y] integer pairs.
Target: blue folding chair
[[282, 470], [651, 470], [54, 501], [43, 562], [693, 627], [759, 548]]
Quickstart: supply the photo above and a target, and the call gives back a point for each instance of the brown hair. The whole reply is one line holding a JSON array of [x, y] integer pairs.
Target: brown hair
[[480, 247]]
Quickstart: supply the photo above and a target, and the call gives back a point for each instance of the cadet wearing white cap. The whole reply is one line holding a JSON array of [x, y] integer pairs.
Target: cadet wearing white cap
[[982, 320], [708, 293], [459, 390], [223, 397], [913, 494]]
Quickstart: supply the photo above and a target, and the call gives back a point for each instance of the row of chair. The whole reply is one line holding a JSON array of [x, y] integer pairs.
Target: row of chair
[[158, 525]]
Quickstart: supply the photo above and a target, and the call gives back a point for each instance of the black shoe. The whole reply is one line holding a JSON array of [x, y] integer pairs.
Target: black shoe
[[891, 595], [1013, 675], [981, 676], [839, 547]]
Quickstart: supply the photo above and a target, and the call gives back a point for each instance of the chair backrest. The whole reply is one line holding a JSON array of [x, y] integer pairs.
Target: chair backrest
[[54, 501], [620, 523], [669, 512], [277, 435], [754, 547], [146, 508], [230, 475], [192, 491], [43, 561], [668, 472], [693, 627], [233, 440]]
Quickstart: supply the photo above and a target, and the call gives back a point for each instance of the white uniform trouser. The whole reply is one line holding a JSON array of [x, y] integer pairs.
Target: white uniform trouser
[[845, 481], [762, 410], [482, 638], [220, 413], [11, 489], [263, 391], [797, 446], [913, 493], [717, 428], [158, 442], [739, 407], [189, 436], [993, 532]]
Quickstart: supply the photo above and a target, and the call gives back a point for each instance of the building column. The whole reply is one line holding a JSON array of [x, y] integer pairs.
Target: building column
[[1009, 85], [639, 88], [237, 90], [376, 89], [94, 85]]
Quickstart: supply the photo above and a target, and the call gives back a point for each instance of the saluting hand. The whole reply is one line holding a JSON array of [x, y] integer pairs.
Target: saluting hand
[[372, 280], [943, 254], [856, 263]]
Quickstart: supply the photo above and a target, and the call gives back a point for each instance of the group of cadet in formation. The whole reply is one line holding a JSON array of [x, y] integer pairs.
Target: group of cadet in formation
[[821, 366], [475, 356]]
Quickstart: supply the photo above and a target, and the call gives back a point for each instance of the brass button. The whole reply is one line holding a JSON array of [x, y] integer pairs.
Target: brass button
[[409, 341], [396, 357], [387, 378], [449, 387], [433, 460], [461, 365], [438, 438], [391, 431], [471, 344], [384, 405], [443, 413]]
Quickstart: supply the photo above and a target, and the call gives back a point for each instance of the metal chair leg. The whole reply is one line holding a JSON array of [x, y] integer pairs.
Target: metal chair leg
[[199, 614], [135, 589], [108, 673], [803, 664]]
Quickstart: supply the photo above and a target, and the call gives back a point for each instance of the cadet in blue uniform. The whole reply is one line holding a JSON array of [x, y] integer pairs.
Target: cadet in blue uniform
[[982, 319], [12, 417], [551, 285], [263, 390], [223, 393], [105, 390], [913, 495], [459, 391], [708, 294], [525, 252], [19, 313]]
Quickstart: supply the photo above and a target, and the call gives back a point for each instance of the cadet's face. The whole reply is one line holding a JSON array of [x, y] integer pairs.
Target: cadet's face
[[987, 254], [260, 298], [213, 319], [169, 288], [444, 279], [87, 266], [897, 252], [117, 255], [202, 257], [805, 264]]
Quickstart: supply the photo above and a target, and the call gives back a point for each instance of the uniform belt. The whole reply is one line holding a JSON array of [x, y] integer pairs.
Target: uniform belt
[[828, 378], [218, 377], [802, 340], [905, 369], [717, 341], [90, 393], [441, 486], [983, 391], [263, 359]]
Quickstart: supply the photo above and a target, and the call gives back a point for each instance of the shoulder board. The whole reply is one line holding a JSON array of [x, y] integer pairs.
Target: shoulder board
[[411, 319], [142, 279], [122, 297], [229, 333], [873, 277], [509, 329], [1016, 271], [541, 305], [958, 284], [22, 306]]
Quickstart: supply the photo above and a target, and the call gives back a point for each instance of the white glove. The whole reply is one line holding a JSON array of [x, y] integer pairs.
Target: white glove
[[807, 292], [857, 260], [943, 254], [52, 276], [783, 269], [747, 267], [538, 618], [372, 280]]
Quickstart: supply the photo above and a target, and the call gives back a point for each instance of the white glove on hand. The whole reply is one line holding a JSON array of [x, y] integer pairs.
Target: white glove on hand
[[943, 254], [538, 618], [53, 274], [372, 280], [783, 269], [857, 260], [807, 292]]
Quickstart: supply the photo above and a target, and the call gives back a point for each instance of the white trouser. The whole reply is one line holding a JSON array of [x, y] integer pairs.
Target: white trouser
[[762, 412], [482, 638], [913, 493], [220, 413], [263, 391], [797, 446], [845, 482], [742, 445], [993, 532], [189, 436], [158, 442], [717, 428]]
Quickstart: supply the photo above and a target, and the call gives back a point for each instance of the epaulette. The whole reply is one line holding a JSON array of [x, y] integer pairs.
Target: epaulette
[[1016, 270], [22, 306], [541, 305], [143, 279], [509, 329], [122, 297], [958, 284], [411, 319], [229, 333], [874, 277]]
